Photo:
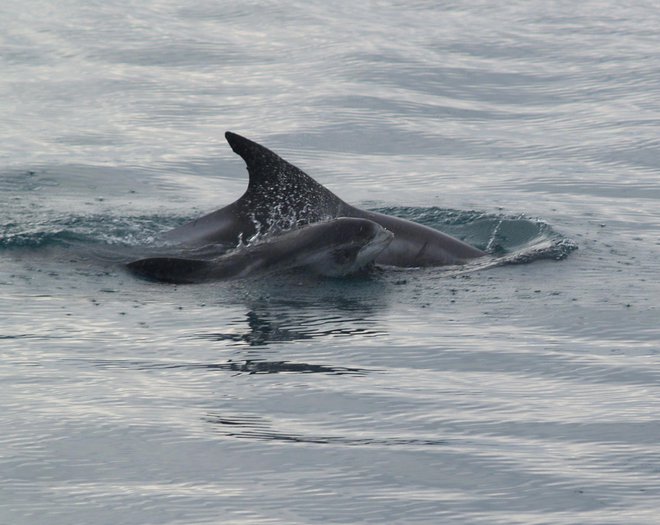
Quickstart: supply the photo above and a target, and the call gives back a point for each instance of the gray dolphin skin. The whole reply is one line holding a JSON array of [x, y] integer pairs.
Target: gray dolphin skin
[[333, 248], [280, 196]]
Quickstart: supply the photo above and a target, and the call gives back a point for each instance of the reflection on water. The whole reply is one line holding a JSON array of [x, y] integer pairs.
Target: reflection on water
[[261, 429], [251, 366], [247, 366], [265, 328]]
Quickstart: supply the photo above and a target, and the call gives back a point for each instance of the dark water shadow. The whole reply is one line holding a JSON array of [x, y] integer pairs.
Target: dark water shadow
[[312, 308], [257, 428], [235, 366]]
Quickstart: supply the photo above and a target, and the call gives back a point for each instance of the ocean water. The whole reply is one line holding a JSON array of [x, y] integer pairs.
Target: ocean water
[[524, 393]]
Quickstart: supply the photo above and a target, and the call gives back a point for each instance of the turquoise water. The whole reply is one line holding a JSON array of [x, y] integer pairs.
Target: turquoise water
[[497, 393]]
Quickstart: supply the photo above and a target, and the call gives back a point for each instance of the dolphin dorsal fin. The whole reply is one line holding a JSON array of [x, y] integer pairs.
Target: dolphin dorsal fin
[[276, 184], [264, 166]]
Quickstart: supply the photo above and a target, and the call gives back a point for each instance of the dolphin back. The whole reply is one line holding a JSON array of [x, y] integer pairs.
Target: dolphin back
[[281, 197], [335, 248]]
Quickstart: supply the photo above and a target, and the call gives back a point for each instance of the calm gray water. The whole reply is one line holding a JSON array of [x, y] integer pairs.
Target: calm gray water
[[516, 394]]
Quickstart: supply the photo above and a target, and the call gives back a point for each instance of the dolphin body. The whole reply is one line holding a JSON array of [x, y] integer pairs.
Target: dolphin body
[[280, 196], [333, 248]]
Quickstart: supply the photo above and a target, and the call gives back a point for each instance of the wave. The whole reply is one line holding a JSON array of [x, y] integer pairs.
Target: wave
[[64, 230], [509, 239]]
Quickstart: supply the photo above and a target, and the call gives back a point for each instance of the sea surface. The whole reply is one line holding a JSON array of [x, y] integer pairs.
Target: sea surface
[[525, 391]]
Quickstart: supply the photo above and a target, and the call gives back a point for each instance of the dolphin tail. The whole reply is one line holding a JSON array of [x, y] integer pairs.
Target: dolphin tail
[[171, 270]]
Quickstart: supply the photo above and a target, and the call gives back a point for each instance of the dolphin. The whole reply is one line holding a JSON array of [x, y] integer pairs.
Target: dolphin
[[333, 248], [280, 196]]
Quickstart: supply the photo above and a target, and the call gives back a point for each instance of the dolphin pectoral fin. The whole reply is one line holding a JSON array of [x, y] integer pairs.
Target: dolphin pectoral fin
[[171, 270]]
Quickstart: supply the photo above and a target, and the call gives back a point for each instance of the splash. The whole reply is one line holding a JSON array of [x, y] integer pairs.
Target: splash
[[509, 239], [280, 219], [52, 230]]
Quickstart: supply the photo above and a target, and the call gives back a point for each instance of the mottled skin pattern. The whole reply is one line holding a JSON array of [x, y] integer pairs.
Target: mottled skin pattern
[[280, 196]]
